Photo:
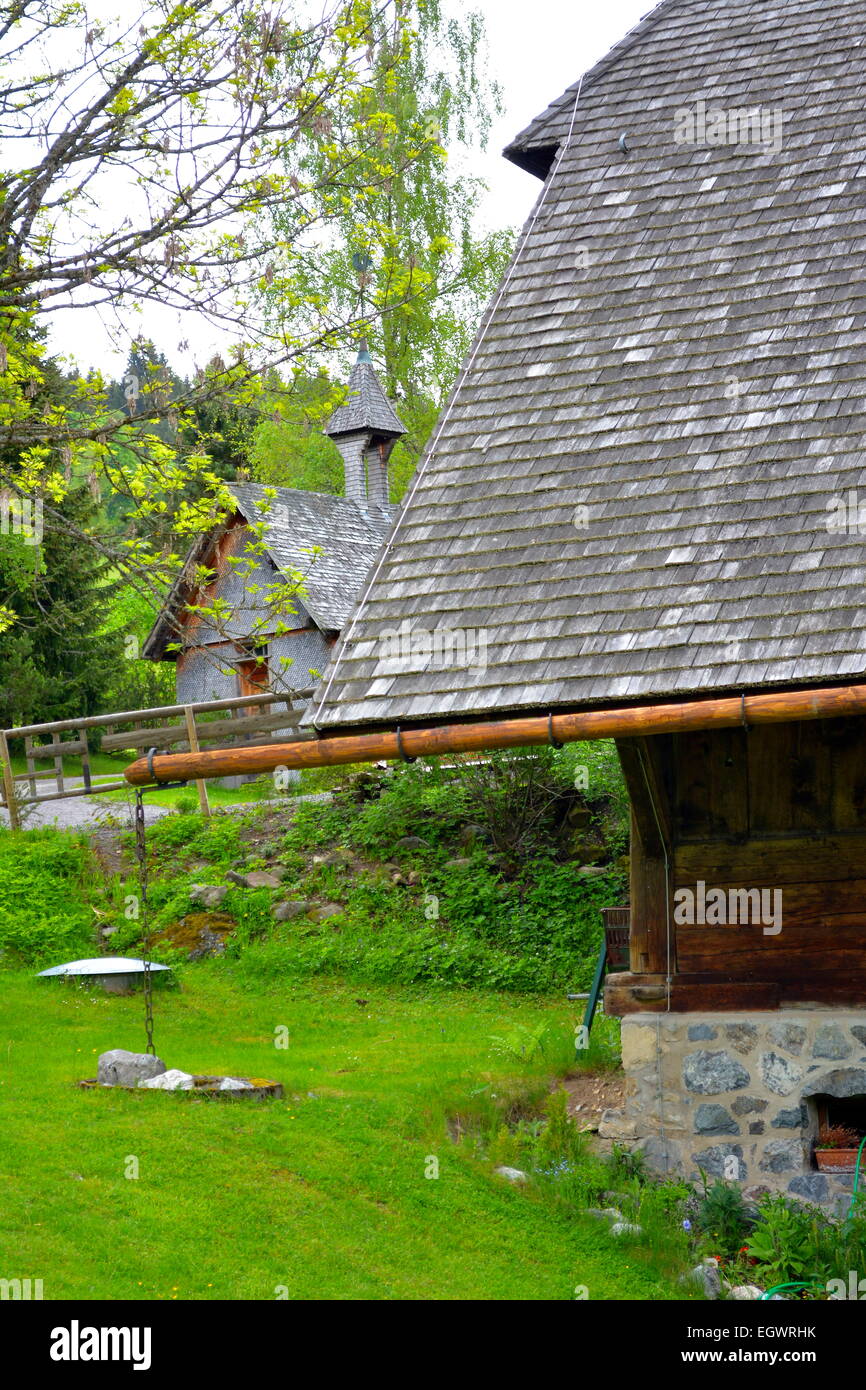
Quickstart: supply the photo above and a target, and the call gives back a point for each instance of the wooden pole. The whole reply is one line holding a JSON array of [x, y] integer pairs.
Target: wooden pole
[[9, 784], [189, 716], [522, 731]]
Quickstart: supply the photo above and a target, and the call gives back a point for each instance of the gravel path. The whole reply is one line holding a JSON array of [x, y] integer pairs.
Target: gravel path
[[88, 812]]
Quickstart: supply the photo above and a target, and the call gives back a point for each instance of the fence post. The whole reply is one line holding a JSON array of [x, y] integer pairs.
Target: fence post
[[192, 738], [9, 784]]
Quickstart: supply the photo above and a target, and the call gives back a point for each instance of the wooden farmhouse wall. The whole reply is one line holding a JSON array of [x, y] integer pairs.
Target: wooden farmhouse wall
[[776, 807]]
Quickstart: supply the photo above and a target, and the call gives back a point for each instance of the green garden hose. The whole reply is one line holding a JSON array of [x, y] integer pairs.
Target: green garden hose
[[813, 1283]]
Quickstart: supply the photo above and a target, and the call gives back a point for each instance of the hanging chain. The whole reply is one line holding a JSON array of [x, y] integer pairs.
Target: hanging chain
[[141, 856]]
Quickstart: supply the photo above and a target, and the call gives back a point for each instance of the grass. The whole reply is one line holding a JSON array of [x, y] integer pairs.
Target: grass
[[322, 1194]]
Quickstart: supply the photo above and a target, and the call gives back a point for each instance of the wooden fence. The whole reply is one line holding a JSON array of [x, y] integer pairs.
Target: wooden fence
[[150, 728]]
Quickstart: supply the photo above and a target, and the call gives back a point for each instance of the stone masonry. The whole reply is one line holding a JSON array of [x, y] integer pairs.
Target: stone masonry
[[733, 1094]]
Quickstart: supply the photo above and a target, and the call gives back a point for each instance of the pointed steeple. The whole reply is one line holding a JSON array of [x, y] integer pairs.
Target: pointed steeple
[[364, 429]]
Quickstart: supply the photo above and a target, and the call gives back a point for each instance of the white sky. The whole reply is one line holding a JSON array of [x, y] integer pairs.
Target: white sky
[[537, 49]]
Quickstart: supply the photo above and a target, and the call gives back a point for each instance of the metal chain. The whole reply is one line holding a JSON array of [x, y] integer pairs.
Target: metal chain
[[141, 856]]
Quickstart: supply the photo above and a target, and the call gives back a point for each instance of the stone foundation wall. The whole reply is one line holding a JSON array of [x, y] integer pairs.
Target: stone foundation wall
[[733, 1094]]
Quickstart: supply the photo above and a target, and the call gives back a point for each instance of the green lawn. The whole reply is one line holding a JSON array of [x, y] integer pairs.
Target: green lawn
[[323, 1193]]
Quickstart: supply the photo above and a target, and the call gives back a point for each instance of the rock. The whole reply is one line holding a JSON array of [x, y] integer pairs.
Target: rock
[[717, 1162], [614, 1125], [511, 1174], [472, 834], [812, 1187], [173, 1080], [780, 1075], [234, 1083], [660, 1155], [746, 1293], [714, 1119], [757, 1127], [209, 895], [625, 1228], [458, 863], [782, 1156], [120, 1068], [789, 1036], [702, 1032], [707, 1275], [842, 1083], [755, 1193], [234, 877], [741, 1036], [287, 912], [860, 1034], [593, 871], [411, 842], [321, 914], [789, 1119], [338, 858], [749, 1105], [262, 878], [710, 1073], [830, 1042]]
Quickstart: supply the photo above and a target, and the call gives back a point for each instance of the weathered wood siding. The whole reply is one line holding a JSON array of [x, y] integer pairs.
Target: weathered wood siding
[[777, 807]]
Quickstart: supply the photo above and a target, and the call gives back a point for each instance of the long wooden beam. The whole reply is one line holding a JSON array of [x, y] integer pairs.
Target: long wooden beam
[[331, 750]]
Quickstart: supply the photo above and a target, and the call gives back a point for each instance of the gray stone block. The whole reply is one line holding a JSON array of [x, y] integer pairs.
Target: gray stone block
[[789, 1119], [789, 1036], [830, 1042], [812, 1186], [780, 1076], [741, 1036], [711, 1073], [782, 1156], [715, 1119], [120, 1068], [749, 1105], [702, 1032]]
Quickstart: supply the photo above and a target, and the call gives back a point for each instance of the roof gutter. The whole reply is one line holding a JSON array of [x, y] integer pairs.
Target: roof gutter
[[635, 721]]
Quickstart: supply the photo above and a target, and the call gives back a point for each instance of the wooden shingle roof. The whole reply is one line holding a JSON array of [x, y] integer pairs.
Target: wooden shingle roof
[[628, 492], [348, 536]]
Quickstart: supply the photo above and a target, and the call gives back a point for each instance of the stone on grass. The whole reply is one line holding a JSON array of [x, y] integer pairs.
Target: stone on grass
[[746, 1293], [512, 1174], [412, 842], [321, 914], [707, 1275], [625, 1228], [120, 1068], [262, 878], [208, 894], [235, 1083], [286, 912], [172, 1080]]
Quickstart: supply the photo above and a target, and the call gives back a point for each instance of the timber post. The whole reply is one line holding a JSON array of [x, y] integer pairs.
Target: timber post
[[192, 738], [9, 784]]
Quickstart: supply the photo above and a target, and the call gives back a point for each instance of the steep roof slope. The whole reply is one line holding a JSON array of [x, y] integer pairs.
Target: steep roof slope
[[628, 492], [349, 537]]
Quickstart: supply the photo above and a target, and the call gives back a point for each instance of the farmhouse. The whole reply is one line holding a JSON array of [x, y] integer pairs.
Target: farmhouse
[[628, 494], [321, 545]]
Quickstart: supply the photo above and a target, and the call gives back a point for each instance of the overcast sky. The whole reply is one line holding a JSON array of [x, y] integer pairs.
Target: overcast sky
[[536, 51]]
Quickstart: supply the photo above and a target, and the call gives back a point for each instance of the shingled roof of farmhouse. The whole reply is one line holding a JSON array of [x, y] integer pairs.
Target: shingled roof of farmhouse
[[348, 535], [679, 348]]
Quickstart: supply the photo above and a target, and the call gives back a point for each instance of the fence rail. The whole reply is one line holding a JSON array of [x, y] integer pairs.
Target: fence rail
[[263, 725]]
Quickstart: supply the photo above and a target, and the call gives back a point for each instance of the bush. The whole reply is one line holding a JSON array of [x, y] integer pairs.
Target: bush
[[44, 916]]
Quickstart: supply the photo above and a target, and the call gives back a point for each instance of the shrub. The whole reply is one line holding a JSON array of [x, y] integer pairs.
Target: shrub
[[44, 916]]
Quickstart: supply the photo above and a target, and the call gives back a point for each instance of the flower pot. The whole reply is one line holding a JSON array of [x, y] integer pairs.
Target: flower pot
[[836, 1160]]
